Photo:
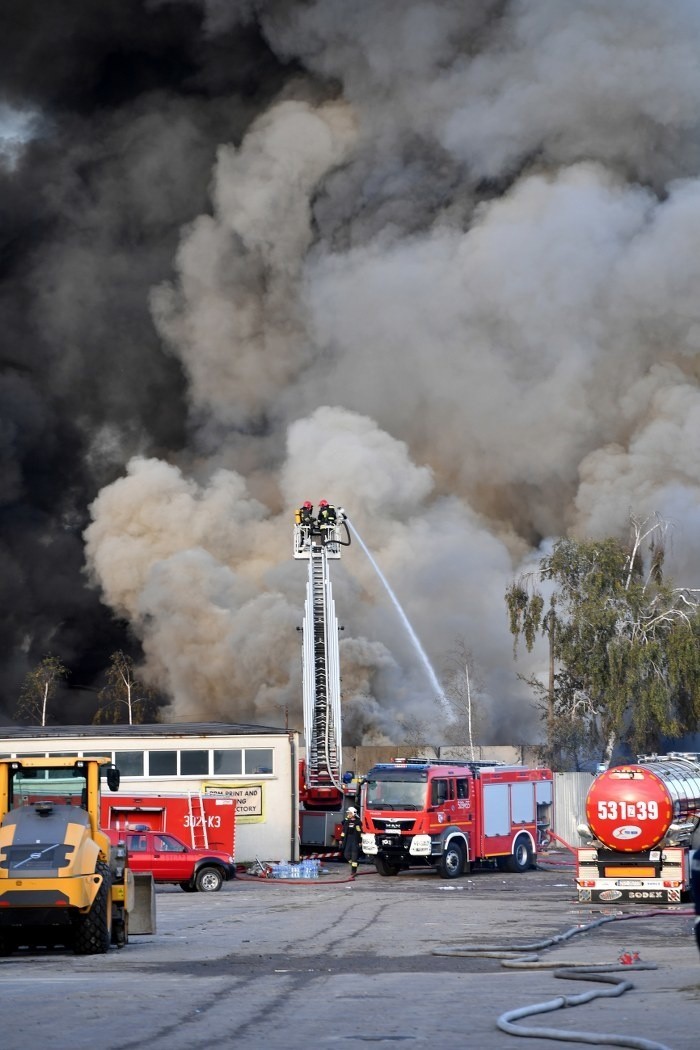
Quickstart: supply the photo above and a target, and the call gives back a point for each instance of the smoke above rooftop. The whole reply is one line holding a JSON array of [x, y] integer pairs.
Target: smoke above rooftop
[[433, 261]]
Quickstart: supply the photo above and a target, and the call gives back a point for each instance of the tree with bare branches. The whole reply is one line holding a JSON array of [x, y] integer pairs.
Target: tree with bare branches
[[125, 698], [39, 690], [463, 700], [624, 643]]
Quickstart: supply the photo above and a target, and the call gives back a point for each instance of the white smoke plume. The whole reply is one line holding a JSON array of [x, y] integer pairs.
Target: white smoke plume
[[441, 270]]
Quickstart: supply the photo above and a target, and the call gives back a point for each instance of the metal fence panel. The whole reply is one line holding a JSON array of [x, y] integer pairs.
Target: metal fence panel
[[570, 790]]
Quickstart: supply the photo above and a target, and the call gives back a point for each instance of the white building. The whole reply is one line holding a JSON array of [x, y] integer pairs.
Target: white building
[[257, 765]]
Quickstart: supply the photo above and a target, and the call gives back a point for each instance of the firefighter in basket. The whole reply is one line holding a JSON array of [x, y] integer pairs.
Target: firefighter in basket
[[350, 839], [305, 514], [327, 516]]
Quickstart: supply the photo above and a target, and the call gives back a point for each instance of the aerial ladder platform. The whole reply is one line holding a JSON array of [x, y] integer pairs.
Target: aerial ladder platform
[[321, 785]]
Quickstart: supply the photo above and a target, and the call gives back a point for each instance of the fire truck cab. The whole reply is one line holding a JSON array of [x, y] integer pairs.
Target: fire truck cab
[[449, 815]]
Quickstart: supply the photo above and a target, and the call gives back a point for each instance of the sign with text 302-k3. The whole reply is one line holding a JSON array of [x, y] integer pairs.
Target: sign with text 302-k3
[[249, 799]]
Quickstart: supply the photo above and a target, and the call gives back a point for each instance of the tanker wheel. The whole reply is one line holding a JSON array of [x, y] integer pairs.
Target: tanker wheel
[[7, 944], [451, 863], [522, 856], [384, 867], [208, 880], [93, 931]]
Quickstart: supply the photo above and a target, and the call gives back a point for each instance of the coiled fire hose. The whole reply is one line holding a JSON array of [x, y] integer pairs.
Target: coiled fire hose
[[511, 956]]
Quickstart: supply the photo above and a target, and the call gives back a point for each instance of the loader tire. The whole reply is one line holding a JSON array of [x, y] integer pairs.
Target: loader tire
[[93, 931]]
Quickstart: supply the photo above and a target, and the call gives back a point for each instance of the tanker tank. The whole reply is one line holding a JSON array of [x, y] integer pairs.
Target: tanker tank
[[633, 808]]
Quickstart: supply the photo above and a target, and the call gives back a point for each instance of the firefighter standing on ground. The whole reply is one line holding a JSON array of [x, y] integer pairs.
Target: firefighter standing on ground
[[695, 880], [350, 839]]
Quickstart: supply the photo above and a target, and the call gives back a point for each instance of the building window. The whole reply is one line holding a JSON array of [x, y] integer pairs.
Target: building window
[[162, 763], [194, 763], [258, 760], [228, 763], [129, 763]]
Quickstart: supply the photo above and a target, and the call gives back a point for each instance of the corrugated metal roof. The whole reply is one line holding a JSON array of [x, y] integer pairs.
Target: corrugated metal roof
[[156, 729]]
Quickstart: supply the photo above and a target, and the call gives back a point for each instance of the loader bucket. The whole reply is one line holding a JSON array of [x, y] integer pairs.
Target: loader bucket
[[142, 916]]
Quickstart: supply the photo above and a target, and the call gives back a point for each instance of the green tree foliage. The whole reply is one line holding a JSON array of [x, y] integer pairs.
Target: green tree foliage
[[39, 689], [624, 644], [125, 698]]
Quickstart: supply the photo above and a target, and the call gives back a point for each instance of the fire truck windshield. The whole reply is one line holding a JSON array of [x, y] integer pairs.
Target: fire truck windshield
[[404, 792]]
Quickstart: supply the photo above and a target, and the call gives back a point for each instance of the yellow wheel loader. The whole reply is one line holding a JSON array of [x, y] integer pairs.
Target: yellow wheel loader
[[61, 880]]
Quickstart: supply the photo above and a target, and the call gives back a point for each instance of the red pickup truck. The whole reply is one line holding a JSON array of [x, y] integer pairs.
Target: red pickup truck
[[170, 860]]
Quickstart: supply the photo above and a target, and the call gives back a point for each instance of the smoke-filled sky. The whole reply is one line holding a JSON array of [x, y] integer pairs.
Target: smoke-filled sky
[[437, 262]]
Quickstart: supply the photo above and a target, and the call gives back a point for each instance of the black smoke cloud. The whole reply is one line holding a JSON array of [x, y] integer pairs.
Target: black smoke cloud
[[433, 260], [127, 104]]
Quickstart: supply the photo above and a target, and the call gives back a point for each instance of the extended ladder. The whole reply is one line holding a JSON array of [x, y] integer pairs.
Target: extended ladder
[[321, 668]]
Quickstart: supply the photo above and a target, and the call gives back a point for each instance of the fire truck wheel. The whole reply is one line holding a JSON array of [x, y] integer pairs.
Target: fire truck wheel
[[522, 856], [451, 863], [384, 867], [208, 880]]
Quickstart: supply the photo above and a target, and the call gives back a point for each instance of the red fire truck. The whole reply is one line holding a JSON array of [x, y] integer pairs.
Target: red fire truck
[[642, 823], [204, 821], [449, 815]]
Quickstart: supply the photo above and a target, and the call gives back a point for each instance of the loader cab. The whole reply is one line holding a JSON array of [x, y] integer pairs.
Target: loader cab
[[31, 781]]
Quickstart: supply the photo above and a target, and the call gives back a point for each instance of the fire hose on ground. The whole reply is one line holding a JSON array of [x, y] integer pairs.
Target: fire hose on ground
[[512, 956]]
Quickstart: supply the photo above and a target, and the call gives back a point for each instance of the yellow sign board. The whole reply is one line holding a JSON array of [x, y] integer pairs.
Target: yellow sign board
[[249, 799]]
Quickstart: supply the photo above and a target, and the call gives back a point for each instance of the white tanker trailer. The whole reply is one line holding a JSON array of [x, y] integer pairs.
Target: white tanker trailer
[[642, 824]]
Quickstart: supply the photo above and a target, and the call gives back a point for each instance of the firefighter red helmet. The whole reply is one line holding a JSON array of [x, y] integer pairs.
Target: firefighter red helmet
[[308, 505], [323, 503]]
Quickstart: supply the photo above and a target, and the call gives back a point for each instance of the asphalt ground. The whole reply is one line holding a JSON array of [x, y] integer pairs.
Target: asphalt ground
[[336, 963]]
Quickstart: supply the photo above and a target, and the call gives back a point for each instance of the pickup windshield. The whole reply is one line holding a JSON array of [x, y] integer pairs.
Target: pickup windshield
[[396, 794]]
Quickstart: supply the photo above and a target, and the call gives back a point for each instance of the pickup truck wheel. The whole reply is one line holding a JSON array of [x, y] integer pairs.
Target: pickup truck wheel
[[93, 931], [384, 867], [209, 880], [188, 887], [522, 856], [451, 863]]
